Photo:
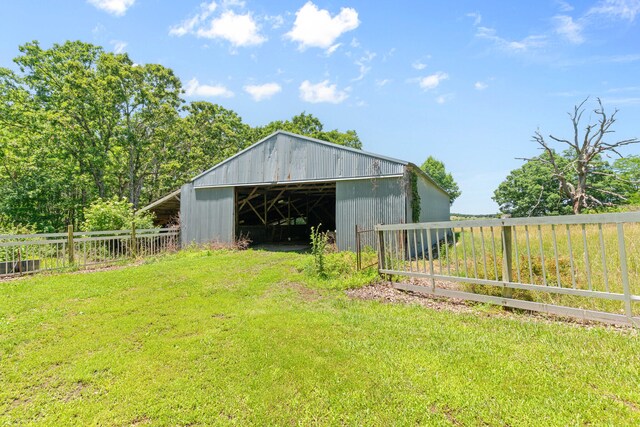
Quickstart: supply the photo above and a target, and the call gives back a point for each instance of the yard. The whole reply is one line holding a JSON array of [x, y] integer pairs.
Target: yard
[[220, 337]]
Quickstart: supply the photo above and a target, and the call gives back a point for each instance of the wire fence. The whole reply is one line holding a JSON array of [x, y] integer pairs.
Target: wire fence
[[31, 253], [586, 266]]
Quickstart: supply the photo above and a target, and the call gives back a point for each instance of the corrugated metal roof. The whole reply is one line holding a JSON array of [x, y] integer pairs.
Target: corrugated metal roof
[[287, 157]]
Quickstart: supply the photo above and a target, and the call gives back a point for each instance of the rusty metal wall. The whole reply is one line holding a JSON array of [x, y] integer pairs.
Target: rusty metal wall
[[367, 203], [206, 214], [285, 157]]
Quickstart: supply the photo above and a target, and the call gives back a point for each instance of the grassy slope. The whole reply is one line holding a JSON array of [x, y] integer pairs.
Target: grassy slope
[[238, 338]]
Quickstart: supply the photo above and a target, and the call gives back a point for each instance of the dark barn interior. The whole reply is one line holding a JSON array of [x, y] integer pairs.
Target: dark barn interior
[[284, 213]]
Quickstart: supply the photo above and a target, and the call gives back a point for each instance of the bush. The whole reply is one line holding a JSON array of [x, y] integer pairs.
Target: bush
[[114, 214], [8, 227]]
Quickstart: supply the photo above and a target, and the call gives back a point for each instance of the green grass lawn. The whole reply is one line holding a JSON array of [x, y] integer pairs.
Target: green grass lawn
[[203, 338]]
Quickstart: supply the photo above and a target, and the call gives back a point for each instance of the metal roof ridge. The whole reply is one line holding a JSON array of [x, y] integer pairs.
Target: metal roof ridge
[[308, 138]]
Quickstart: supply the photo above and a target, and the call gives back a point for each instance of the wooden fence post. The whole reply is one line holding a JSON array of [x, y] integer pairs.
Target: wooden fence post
[[70, 244], [134, 241], [507, 260], [381, 251], [358, 254]]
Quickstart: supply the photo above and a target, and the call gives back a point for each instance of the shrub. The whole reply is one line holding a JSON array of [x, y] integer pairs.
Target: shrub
[[114, 214]]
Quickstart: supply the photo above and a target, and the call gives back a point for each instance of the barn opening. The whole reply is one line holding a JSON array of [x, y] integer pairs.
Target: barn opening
[[284, 213]]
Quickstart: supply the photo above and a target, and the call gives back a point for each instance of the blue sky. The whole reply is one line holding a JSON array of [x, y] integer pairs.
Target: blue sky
[[466, 81]]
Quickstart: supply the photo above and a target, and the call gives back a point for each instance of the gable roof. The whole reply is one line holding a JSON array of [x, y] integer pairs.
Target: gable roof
[[288, 157]]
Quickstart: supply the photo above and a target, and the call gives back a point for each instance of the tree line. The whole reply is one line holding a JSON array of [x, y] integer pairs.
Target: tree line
[[79, 124]]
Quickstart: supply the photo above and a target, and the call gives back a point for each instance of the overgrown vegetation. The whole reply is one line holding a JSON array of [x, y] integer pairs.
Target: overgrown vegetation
[[248, 338], [415, 196], [114, 214], [319, 244]]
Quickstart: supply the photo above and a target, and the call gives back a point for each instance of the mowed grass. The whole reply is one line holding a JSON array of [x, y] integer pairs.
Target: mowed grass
[[248, 338]]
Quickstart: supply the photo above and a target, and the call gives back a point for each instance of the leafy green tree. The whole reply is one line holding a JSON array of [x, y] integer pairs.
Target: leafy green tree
[[531, 190], [309, 125], [212, 133], [436, 170], [535, 190], [114, 214], [78, 124], [628, 171]]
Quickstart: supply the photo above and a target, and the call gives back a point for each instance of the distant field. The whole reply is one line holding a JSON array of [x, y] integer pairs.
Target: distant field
[[248, 338]]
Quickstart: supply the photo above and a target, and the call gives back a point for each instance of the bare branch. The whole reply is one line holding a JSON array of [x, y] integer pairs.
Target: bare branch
[[608, 192]]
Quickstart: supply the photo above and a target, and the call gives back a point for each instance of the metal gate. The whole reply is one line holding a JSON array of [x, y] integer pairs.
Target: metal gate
[[584, 266]]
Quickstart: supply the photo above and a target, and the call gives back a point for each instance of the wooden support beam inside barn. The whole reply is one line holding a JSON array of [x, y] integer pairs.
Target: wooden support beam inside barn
[[286, 212]]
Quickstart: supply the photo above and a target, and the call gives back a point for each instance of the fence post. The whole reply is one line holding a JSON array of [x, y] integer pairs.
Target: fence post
[[70, 244], [381, 251], [358, 255], [507, 260], [628, 308], [134, 241]]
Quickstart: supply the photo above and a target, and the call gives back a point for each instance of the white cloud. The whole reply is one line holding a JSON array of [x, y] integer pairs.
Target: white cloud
[[114, 7], [419, 65], [194, 88], [620, 9], [480, 85], [444, 98], [568, 28], [119, 46], [477, 18], [188, 25], [333, 48], [528, 43], [226, 4], [564, 6], [321, 92], [264, 91], [276, 21], [315, 27], [239, 30], [432, 81], [382, 82], [363, 65]]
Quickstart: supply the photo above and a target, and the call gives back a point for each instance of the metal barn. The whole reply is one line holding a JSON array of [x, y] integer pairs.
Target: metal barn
[[278, 188]]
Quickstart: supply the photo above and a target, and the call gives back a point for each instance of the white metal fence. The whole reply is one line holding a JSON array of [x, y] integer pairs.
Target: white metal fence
[[584, 266], [31, 253]]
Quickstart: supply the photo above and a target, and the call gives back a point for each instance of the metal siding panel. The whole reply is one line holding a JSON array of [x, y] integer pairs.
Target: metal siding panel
[[288, 158], [367, 203], [206, 214], [434, 205]]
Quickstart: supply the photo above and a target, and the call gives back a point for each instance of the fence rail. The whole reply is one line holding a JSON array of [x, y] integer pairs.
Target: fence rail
[[32, 253], [584, 266]]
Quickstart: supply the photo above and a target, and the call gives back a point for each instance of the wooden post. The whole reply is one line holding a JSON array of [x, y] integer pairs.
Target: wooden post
[[358, 255], [70, 244], [381, 251], [134, 240], [507, 260]]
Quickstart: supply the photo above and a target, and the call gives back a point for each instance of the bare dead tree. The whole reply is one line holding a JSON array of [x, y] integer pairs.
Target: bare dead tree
[[585, 148]]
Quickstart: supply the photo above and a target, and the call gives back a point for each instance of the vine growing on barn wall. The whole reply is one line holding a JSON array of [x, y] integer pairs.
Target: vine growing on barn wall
[[415, 196]]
